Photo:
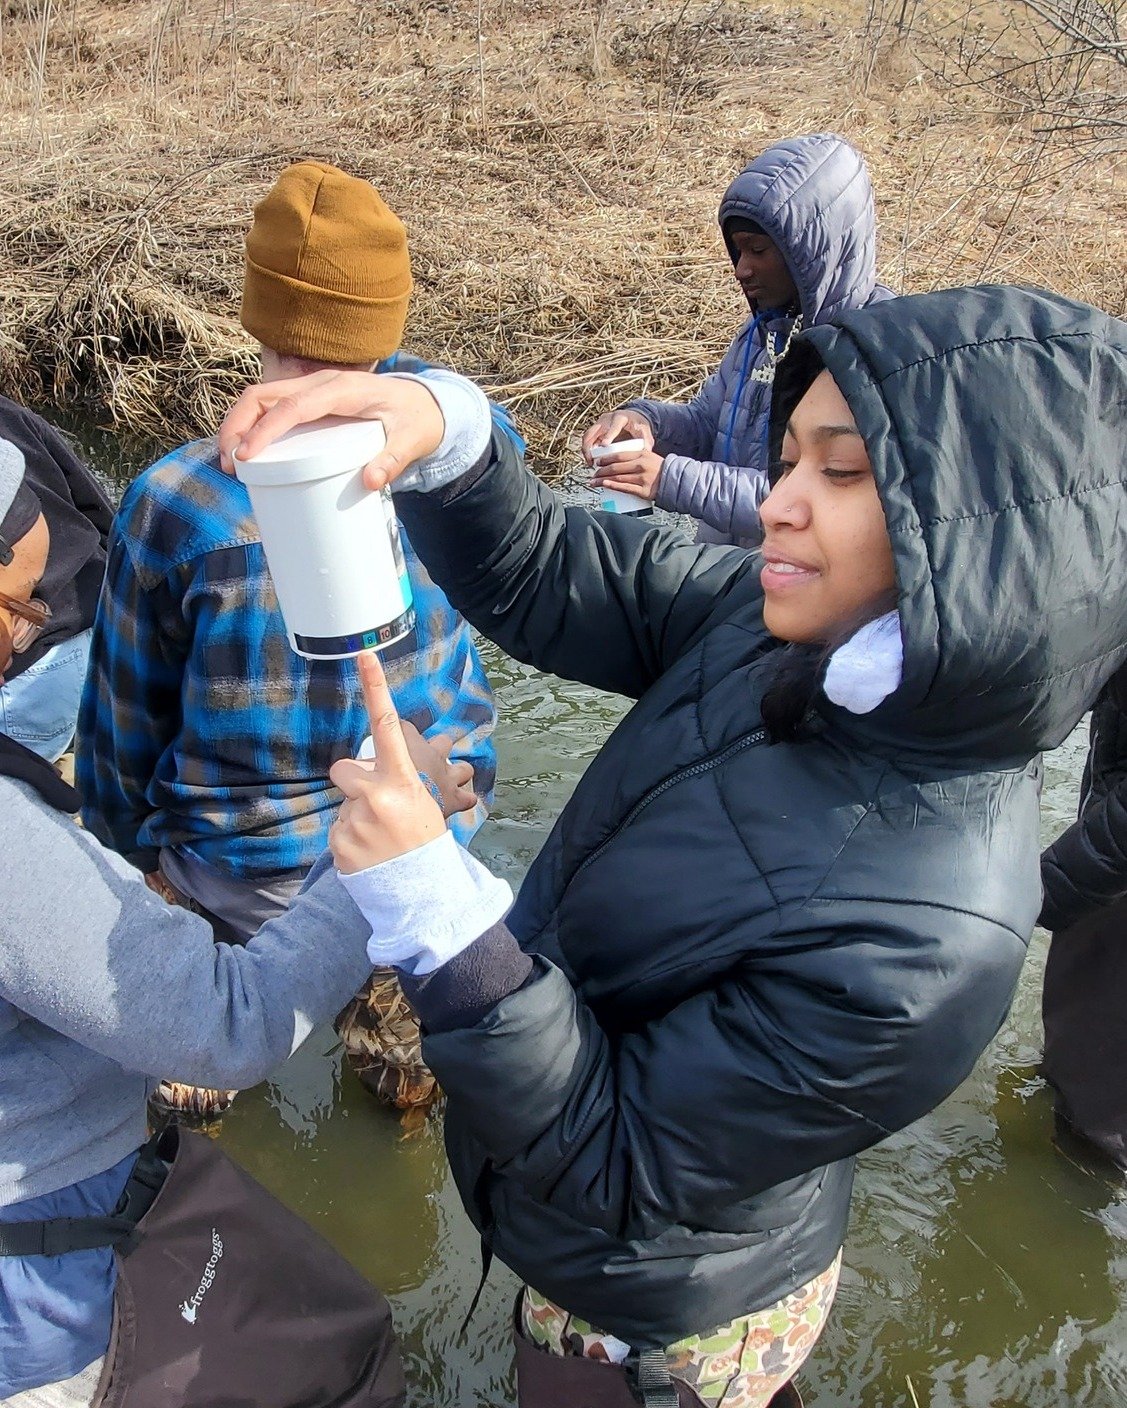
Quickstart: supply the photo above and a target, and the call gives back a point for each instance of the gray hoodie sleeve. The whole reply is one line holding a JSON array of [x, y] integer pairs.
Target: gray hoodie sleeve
[[87, 949], [725, 496]]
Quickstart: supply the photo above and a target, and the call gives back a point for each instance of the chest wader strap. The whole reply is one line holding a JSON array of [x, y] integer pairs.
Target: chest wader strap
[[57, 1236], [655, 1387], [486, 1263]]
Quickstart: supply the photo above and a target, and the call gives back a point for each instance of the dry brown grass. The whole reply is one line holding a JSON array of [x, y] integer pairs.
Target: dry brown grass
[[558, 167]]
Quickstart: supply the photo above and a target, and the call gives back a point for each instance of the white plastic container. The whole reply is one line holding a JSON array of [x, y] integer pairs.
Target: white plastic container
[[332, 546], [614, 500]]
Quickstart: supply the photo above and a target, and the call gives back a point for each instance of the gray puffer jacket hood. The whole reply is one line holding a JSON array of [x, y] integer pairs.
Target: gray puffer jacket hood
[[812, 197]]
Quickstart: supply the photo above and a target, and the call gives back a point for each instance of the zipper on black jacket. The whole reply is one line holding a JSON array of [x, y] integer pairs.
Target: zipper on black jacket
[[749, 740]]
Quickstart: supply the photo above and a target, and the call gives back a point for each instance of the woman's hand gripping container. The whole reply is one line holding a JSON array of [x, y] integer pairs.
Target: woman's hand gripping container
[[332, 546]]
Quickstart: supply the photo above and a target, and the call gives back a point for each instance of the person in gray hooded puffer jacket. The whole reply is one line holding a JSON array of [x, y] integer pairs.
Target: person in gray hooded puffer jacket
[[800, 228]]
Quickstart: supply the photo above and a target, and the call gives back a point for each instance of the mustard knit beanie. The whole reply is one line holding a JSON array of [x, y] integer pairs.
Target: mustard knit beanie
[[328, 277]]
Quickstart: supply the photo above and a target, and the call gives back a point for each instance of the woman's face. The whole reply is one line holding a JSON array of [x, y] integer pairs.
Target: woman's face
[[827, 560], [19, 580]]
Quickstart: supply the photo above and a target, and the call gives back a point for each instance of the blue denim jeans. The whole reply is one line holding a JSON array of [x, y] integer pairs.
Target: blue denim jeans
[[39, 708]]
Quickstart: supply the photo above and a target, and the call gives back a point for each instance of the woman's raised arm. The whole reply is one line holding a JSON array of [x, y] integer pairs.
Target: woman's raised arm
[[583, 595]]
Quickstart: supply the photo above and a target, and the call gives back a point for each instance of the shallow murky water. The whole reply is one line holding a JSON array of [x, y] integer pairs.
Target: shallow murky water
[[984, 1268]]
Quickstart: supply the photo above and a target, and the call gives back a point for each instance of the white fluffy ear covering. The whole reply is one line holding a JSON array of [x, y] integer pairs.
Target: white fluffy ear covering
[[864, 671]]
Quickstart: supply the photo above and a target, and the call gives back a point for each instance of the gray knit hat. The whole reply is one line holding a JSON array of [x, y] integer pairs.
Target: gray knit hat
[[19, 505]]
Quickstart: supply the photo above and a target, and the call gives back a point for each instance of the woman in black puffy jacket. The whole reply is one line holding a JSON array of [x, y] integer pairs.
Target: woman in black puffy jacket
[[787, 906]]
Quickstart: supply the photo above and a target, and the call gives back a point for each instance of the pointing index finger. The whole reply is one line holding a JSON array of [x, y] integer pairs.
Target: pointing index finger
[[392, 756]]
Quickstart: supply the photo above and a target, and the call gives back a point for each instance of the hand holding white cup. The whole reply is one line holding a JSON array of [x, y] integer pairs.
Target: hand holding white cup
[[626, 475], [628, 424], [411, 418]]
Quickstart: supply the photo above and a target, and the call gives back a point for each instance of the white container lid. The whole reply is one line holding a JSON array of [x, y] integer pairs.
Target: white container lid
[[617, 447], [334, 445]]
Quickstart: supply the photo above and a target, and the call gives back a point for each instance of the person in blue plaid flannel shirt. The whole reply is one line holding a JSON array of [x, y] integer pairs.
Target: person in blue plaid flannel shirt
[[204, 742]]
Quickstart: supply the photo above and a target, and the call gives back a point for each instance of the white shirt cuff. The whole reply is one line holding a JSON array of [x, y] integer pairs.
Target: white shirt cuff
[[469, 424], [427, 905]]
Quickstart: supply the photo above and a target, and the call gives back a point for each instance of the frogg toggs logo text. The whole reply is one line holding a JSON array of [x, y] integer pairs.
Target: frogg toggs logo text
[[190, 1308]]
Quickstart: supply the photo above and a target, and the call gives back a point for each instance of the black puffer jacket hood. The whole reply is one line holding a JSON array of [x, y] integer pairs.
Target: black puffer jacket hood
[[996, 423]]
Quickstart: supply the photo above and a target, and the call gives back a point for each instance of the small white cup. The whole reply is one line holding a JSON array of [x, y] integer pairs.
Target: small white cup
[[332, 546], [614, 500]]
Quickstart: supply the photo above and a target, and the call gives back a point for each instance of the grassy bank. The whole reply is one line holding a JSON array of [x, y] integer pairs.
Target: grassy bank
[[557, 165]]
